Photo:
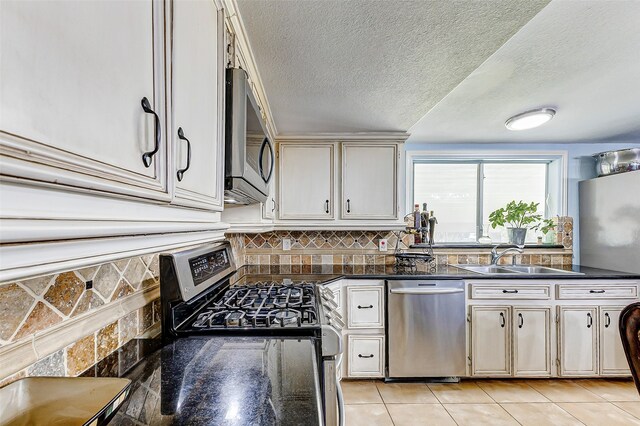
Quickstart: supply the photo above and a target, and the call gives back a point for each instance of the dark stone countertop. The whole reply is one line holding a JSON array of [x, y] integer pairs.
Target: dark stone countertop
[[214, 380], [328, 273]]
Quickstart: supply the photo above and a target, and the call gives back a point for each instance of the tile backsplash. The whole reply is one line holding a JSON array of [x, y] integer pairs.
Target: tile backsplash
[[32, 306], [361, 248]]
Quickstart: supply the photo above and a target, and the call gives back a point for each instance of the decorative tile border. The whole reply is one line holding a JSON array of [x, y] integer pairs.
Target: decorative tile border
[[324, 240]]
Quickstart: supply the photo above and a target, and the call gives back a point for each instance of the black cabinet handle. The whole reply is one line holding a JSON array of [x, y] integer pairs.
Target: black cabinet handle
[[147, 157], [510, 291], [348, 206], [274, 205], [181, 171], [365, 307], [365, 356], [502, 321], [326, 206], [520, 320], [607, 320], [596, 291], [589, 320]]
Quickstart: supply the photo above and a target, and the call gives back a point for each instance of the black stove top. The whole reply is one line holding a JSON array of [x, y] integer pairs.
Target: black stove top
[[260, 305]]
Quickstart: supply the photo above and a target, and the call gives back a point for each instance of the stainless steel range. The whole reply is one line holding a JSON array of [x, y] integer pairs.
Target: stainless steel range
[[198, 298]]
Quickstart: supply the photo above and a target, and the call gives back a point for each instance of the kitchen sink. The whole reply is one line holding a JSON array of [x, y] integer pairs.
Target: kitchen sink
[[515, 270], [535, 269], [486, 269]]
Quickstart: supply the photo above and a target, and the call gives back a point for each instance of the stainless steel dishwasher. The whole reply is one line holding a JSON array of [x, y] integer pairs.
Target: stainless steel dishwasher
[[426, 329]]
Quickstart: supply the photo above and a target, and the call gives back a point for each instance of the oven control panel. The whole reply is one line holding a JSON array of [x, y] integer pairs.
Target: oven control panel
[[196, 269], [208, 265]]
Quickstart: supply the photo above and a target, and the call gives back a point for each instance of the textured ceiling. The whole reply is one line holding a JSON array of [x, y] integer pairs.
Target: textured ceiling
[[362, 65], [582, 57]]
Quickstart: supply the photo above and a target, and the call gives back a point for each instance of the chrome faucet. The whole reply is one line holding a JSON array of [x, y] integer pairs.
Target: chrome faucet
[[495, 256]]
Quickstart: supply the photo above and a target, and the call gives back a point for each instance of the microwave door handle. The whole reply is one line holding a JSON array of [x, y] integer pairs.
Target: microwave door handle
[[266, 143]]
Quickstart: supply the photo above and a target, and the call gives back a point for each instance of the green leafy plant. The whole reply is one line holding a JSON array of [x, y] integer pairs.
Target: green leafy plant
[[520, 215]]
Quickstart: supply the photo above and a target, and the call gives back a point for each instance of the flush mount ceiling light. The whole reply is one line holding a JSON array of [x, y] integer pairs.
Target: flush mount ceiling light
[[530, 119]]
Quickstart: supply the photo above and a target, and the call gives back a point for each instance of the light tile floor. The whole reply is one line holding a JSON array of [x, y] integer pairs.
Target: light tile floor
[[493, 402]]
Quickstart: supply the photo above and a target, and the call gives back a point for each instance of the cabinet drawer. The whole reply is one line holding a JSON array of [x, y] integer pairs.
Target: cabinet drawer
[[365, 307], [366, 356], [505, 291], [598, 291]]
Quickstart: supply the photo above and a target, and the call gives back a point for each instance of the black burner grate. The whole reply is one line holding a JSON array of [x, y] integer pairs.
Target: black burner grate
[[261, 305]]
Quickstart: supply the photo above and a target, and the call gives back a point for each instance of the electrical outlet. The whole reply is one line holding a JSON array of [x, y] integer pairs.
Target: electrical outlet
[[382, 244], [286, 244]]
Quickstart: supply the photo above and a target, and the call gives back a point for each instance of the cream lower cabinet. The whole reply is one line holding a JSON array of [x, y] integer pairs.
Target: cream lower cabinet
[[590, 342], [613, 360], [366, 356], [578, 341], [361, 303], [490, 341], [510, 341], [532, 341], [365, 306]]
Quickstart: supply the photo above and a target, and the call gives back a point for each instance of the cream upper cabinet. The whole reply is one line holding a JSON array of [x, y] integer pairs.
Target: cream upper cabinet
[[613, 360], [578, 341], [369, 181], [270, 206], [73, 76], [531, 341], [491, 340], [306, 181], [197, 94]]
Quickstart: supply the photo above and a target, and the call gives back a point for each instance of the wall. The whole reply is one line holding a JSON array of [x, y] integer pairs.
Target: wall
[[56, 325], [580, 167]]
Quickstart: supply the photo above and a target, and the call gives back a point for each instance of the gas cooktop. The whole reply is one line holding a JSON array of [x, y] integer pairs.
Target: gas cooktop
[[260, 305]]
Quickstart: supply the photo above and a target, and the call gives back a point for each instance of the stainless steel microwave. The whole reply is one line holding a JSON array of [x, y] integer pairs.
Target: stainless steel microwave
[[249, 157]]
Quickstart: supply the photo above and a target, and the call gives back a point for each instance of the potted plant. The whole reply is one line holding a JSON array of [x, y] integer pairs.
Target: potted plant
[[518, 218]]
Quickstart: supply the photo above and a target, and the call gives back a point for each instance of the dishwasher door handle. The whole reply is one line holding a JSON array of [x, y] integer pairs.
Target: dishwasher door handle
[[426, 290]]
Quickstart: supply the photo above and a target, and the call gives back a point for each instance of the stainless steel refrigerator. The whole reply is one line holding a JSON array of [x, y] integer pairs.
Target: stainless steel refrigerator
[[610, 222]]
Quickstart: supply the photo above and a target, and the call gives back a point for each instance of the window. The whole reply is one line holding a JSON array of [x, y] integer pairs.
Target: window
[[462, 192]]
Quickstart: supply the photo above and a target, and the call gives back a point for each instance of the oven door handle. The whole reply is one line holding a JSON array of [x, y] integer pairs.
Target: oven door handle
[[426, 290], [340, 397]]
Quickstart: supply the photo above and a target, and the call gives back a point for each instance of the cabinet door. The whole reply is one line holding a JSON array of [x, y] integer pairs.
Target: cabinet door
[[613, 360], [490, 341], [306, 176], [578, 341], [197, 87], [72, 76], [270, 206], [369, 181], [531, 341]]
